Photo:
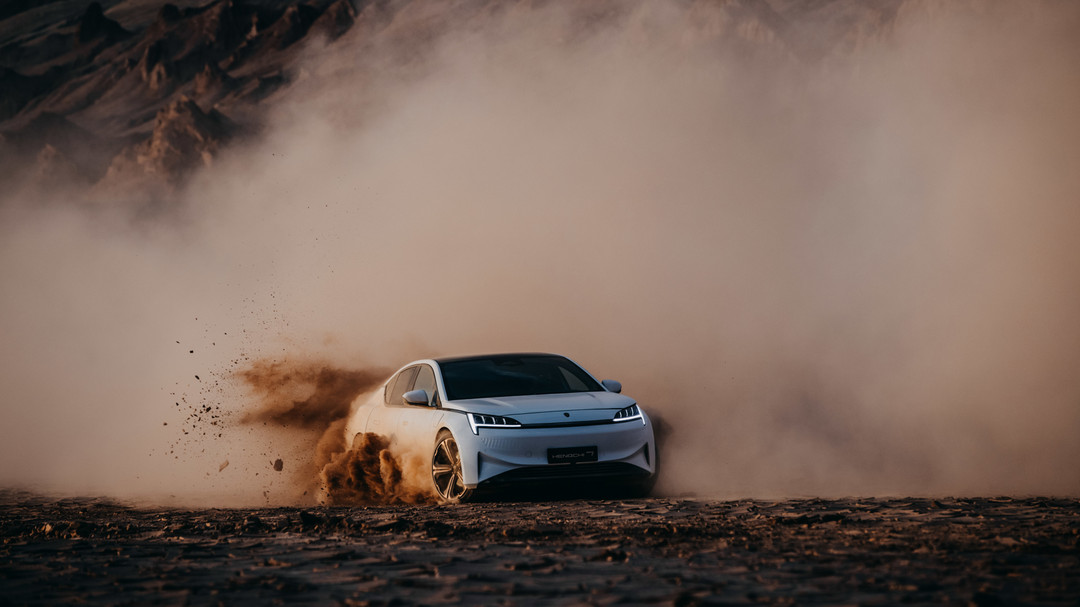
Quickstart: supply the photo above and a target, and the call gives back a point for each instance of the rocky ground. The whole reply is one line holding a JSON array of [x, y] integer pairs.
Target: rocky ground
[[651, 551]]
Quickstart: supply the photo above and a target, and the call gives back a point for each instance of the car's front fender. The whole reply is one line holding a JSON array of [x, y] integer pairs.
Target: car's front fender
[[468, 447]]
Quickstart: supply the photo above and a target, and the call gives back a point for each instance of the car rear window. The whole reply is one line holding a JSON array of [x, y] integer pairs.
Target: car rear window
[[489, 377]]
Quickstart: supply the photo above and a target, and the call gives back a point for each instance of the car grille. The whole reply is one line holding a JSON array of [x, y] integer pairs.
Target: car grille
[[596, 422], [616, 471]]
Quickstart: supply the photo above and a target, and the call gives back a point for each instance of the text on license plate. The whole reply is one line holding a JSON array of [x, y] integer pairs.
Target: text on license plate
[[570, 455]]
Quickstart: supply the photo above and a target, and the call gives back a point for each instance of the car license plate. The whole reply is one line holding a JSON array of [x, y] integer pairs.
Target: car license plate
[[571, 455]]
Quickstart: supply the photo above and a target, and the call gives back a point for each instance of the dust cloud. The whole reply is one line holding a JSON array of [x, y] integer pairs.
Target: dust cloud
[[833, 269], [305, 404], [304, 394]]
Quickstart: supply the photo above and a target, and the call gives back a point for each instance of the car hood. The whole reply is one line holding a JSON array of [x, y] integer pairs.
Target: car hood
[[541, 403]]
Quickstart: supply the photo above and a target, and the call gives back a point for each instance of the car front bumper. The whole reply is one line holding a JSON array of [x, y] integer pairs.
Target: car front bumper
[[624, 451]]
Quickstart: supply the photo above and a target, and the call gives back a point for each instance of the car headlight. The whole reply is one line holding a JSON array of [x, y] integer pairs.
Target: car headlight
[[630, 413], [477, 421]]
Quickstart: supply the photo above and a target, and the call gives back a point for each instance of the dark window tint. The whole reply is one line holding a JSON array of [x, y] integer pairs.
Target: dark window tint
[[402, 385], [513, 375]]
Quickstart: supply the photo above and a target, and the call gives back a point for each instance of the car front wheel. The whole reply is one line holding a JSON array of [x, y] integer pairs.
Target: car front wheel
[[446, 470]]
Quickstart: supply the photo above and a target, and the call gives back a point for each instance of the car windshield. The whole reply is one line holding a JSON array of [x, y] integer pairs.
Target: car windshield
[[513, 375]]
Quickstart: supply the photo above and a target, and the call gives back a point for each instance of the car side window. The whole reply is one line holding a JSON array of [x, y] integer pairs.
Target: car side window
[[425, 380], [390, 387], [403, 384]]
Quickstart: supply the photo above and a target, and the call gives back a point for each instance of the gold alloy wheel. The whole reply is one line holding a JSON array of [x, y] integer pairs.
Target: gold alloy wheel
[[446, 469]]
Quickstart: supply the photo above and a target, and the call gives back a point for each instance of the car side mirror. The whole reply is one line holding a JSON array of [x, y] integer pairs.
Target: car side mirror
[[415, 397], [612, 386]]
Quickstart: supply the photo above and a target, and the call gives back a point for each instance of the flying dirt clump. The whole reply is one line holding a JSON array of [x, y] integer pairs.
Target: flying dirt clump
[[370, 473]]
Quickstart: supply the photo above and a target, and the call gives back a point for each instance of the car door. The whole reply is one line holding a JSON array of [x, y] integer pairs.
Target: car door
[[383, 419], [415, 423]]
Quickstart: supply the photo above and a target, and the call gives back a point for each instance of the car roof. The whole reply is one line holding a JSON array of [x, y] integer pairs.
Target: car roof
[[502, 356]]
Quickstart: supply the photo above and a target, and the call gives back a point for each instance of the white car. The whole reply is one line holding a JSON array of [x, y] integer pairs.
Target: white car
[[510, 419]]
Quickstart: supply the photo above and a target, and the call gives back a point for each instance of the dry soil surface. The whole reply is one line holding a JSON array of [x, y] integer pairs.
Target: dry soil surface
[[594, 551]]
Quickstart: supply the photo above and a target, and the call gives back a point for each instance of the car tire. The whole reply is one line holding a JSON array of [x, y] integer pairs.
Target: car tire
[[446, 470], [639, 489]]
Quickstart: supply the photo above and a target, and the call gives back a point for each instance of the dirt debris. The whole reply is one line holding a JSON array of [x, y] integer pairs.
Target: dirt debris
[[370, 472]]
